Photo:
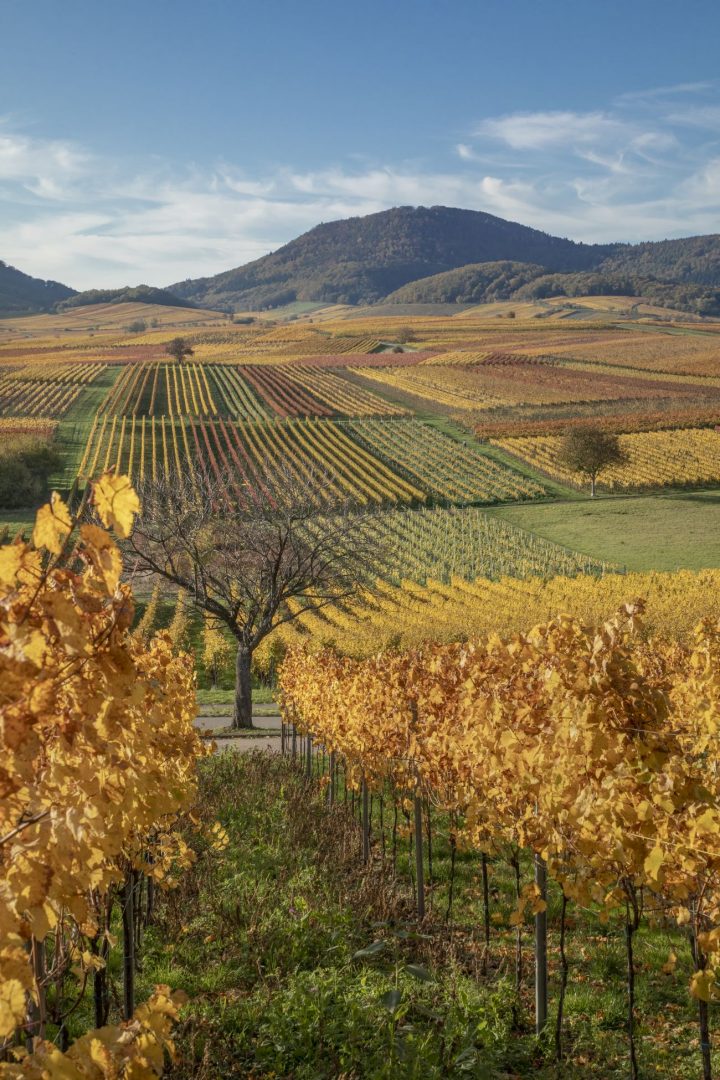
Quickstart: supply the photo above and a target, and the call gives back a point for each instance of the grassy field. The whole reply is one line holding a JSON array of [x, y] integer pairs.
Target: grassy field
[[653, 532]]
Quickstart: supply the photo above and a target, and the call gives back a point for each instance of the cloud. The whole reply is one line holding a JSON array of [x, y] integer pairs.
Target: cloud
[[643, 167], [539, 130], [656, 93], [43, 167]]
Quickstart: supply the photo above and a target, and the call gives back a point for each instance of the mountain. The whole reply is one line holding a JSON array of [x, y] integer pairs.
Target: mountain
[[21, 294], [363, 259], [139, 294]]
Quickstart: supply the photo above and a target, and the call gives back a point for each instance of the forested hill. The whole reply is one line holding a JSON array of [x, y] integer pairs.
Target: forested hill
[[139, 294], [692, 260], [362, 259], [21, 294], [488, 282]]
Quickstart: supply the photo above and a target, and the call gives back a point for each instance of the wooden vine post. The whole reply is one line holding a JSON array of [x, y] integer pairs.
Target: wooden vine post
[[541, 959], [331, 785], [365, 821], [128, 914], [419, 860]]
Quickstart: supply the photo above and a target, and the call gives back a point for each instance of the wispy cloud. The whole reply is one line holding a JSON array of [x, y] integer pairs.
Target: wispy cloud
[[646, 166], [539, 130]]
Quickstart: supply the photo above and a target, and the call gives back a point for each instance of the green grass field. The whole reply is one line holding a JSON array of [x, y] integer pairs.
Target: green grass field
[[648, 532]]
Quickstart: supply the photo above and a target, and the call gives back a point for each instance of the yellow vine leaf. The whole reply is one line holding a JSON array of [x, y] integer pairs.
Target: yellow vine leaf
[[654, 861], [701, 985], [52, 525], [116, 503], [12, 1006]]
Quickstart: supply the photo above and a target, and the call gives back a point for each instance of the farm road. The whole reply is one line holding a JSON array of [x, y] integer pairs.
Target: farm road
[[266, 738]]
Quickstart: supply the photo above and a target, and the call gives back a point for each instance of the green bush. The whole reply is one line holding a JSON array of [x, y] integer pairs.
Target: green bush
[[25, 468]]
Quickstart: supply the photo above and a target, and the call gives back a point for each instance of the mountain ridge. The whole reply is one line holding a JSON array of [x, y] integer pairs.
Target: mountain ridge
[[408, 254], [389, 254], [363, 259]]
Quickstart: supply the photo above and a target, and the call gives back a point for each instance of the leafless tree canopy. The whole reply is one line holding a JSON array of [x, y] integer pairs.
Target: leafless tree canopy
[[244, 564]]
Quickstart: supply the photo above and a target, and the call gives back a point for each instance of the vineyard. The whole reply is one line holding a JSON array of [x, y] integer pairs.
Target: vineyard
[[536, 746], [491, 384], [442, 544], [689, 457], [447, 470], [406, 614], [248, 458], [417, 856], [30, 398], [240, 393]]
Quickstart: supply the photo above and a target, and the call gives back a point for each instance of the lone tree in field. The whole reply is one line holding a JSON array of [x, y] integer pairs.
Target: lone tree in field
[[179, 348], [589, 451], [252, 560]]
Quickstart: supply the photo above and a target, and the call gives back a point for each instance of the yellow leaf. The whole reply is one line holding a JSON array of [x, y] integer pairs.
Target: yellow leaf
[[104, 555], [12, 1006], [53, 525], [700, 985], [116, 502], [669, 965], [654, 861], [11, 559]]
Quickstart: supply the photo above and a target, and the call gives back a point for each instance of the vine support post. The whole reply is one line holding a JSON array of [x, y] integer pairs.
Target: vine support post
[[699, 964], [486, 910], [294, 743], [563, 979], [365, 821], [541, 959], [128, 912], [419, 859], [632, 919], [308, 765], [282, 737], [331, 785]]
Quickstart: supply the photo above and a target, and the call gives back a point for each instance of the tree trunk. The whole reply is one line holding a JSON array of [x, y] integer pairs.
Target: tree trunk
[[592, 486], [242, 715]]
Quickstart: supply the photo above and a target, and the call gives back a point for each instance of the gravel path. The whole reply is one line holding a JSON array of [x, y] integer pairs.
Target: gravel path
[[247, 745], [269, 725]]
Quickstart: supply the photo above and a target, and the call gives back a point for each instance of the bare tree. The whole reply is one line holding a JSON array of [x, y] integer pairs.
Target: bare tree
[[179, 348], [254, 563], [590, 450]]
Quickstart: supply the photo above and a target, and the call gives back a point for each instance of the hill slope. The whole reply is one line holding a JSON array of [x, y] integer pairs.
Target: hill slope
[[483, 283], [693, 260], [21, 294], [139, 294], [362, 259]]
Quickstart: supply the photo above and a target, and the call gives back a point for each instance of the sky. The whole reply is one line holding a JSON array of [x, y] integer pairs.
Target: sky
[[155, 140]]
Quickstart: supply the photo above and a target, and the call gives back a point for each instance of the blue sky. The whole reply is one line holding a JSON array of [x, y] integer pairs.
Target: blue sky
[[157, 140]]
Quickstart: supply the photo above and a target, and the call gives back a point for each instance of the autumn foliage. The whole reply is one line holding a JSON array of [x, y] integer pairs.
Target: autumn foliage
[[549, 741], [98, 760]]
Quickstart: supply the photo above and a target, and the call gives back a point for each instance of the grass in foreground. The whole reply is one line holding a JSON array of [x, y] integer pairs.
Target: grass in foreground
[[301, 965], [649, 532], [264, 938]]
